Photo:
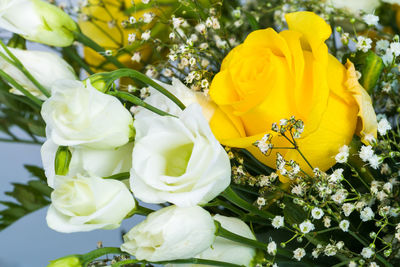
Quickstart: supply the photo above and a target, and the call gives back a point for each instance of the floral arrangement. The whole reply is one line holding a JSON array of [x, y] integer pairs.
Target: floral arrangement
[[266, 132]]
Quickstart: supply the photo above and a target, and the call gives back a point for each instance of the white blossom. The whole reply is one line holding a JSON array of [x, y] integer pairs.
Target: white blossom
[[336, 176], [347, 209], [367, 252], [339, 196], [371, 19], [297, 190], [395, 48], [146, 35], [382, 45], [366, 153], [367, 214], [375, 161], [271, 248], [330, 250], [136, 57], [384, 126], [344, 225], [327, 221], [306, 227], [317, 213], [148, 17], [299, 253], [363, 43], [277, 222]]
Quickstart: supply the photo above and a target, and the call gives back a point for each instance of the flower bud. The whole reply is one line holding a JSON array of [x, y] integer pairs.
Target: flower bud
[[45, 67], [98, 81], [37, 21], [62, 160], [68, 261]]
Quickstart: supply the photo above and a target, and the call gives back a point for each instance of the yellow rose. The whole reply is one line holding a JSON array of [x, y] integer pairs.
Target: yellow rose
[[273, 76], [103, 25], [102, 21]]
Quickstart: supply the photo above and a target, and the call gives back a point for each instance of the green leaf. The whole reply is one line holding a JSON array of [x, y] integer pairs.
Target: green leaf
[[371, 71], [252, 21], [28, 198]]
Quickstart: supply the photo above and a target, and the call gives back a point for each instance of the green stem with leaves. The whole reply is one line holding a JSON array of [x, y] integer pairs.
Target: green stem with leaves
[[17, 63], [20, 88], [231, 196], [110, 77], [139, 102], [85, 40]]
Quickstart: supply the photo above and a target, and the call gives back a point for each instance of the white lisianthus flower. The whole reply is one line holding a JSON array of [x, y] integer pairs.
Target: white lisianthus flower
[[226, 250], [178, 160], [392, 1], [76, 114], [37, 21], [82, 203], [171, 233], [368, 6], [45, 67], [85, 160], [183, 93]]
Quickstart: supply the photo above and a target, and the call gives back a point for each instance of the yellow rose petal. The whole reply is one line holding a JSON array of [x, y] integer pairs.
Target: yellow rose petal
[[367, 124]]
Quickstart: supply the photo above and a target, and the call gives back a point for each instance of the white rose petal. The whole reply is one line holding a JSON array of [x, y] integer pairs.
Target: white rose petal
[[171, 233], [178, 160], [45, 67], [98, 162], [355, 6], [87, 203], [76, 114], [226, 250]]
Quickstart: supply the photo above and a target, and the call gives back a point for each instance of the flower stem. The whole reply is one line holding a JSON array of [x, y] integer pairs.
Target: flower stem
[[222, 232], [85, 40], [231, 196], [139, 102], [89, 257], [119, 176], [181, 261], [20, 88], [17, 63], [125, 72], [143, 210]]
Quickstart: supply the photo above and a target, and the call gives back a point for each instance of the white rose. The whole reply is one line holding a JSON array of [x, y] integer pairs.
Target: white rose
[[37, 21], [226, 250], [85, 160], [183, 93], [87, 203], [355, 6], [171, 233], [45, 67], [397, 2], [76, 114], [178, 160]]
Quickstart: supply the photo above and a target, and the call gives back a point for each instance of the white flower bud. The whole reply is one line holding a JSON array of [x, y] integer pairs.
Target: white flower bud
[[171, 233], [45, 67], [37, 21]]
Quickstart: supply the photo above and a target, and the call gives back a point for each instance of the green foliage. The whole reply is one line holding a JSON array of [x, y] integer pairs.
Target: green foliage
[[28, 197]]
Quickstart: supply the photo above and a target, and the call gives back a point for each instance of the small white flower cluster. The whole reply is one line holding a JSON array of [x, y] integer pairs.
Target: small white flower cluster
[[343, 154], [367, 154]]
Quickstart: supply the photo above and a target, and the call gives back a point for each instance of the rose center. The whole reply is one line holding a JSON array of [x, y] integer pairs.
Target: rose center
[[177, 159]]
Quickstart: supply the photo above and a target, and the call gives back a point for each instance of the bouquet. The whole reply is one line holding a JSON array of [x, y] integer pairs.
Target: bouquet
[[263, 133]]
